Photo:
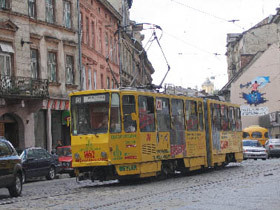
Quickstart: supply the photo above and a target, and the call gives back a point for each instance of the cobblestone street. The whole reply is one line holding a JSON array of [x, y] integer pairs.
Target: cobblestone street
[[248, 185]]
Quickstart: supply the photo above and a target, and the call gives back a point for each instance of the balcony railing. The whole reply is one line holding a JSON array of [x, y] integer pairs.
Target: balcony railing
[[11, 86]]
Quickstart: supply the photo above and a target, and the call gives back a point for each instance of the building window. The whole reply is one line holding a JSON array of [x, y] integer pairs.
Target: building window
[[99, 40], [112, 84], [106, 45], [49, 11], [89, 79], [5, 64], [108, 83], [101, 77], [32, 8], [52, 67], [92, 35], [82, 25], [69, 69], [111, 48], [5, 4], [87, 30], [83, 78], [34, 63], [115, 51], [67, 14], [94, 80]]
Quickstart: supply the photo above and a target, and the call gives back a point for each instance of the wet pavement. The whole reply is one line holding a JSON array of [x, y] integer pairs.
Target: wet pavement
[[247, 185]]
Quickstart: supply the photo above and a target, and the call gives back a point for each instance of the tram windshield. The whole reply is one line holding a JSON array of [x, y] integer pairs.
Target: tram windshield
[[89, 114]]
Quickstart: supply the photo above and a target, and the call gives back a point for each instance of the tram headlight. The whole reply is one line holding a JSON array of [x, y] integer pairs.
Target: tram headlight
[[103, 154]]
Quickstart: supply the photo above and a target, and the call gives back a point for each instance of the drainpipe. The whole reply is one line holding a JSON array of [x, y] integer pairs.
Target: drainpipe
[[120, 55], [79, 44]]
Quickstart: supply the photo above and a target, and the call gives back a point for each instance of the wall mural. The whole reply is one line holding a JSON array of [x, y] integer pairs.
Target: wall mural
[[253, 94]]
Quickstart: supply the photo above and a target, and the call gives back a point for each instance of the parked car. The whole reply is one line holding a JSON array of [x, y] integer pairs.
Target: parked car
[[273, 147], [10, 168], [38, 162], [65, 158], [252, 149]]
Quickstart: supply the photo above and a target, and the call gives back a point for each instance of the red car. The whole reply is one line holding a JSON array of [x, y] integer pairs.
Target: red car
[[65, 158]]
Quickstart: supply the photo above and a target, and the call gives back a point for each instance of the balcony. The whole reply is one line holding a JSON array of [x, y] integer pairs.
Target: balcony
[[23, 87]]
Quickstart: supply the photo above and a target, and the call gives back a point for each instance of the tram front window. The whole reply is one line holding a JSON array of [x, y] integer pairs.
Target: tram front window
[[90, 114]]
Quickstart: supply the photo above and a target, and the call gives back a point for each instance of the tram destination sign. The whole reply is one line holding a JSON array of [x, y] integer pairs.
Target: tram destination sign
[[94, 98], [89, 99]]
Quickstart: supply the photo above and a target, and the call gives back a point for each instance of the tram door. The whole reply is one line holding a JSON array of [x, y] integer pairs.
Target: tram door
[[178, 143], [163, 127]]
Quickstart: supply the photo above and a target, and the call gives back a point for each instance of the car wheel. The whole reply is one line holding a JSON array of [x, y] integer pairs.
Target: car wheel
[[16, 188], [51, 174]]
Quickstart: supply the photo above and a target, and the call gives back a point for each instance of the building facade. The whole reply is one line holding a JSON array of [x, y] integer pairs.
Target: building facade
[[39, 68], [253, 69], [99, 45], [135, 67]]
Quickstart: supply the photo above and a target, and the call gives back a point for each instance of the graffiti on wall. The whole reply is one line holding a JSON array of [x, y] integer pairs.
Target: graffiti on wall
[[253, 94]]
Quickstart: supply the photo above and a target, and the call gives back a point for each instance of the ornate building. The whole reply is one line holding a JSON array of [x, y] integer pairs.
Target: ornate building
[[99, 44], [39, 68]]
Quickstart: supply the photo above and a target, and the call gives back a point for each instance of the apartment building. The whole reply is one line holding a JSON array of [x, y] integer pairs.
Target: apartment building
[[39, 68]]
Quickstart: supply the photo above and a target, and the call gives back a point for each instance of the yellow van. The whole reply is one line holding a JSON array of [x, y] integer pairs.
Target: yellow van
[[256, 132]]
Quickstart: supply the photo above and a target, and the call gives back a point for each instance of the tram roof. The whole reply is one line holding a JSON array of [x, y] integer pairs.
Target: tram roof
[[143, 90]]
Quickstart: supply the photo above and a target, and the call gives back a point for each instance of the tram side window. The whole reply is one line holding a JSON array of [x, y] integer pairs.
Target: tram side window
[[216, 116], [238, 119], [200, 114], [128, 107], [146, 113], [191, 115], [163, 114], [224, 118], [115, 122], [231, 118], [178, 114]]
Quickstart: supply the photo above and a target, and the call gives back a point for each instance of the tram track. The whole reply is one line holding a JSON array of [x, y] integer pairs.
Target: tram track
[[189, 188], [212, 179]]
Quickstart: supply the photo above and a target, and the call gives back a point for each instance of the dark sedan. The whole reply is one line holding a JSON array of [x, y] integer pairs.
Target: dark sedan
[[10, 168], [38, 162]]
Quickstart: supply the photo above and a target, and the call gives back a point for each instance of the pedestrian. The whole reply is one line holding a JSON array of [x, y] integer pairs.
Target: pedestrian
[[59, 144]]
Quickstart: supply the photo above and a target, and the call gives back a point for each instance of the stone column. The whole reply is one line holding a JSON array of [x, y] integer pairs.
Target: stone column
[[49, 129]]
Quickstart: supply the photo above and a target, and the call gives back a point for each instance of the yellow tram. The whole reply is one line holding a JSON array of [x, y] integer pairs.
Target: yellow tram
[[132, 133]]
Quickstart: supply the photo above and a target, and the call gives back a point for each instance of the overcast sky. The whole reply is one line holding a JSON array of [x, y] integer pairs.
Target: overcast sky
[[194, 35]]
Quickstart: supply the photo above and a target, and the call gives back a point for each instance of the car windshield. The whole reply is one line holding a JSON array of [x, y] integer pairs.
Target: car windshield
[[64, 151], [252, 143]]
